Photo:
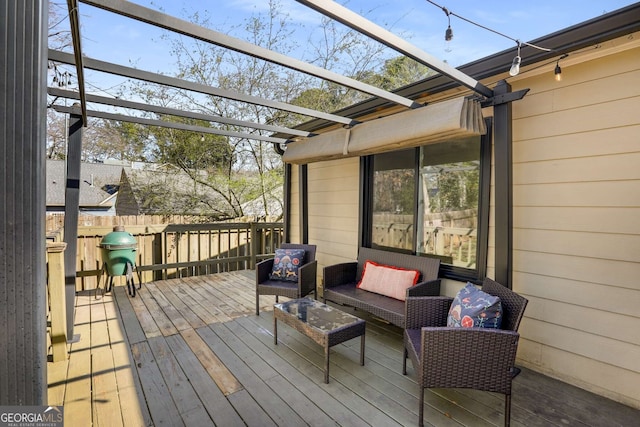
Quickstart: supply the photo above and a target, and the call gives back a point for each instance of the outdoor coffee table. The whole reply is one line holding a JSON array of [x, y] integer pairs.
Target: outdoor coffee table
[[325, 325]]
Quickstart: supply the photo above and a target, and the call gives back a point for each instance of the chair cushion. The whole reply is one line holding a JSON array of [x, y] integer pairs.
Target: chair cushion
[[387, 280], [474, 308], [286, 264]]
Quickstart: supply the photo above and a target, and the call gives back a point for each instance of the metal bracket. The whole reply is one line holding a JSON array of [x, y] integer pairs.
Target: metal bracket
[[504, 98]]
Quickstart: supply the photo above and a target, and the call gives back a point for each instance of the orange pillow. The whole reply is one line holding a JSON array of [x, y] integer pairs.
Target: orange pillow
[[387, 279]]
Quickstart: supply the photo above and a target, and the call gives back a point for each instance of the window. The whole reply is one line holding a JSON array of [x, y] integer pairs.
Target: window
[[394, 178], [432, 201]]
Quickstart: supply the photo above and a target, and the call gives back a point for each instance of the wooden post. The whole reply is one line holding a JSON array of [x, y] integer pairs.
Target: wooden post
[[55, 262], [254, 245]]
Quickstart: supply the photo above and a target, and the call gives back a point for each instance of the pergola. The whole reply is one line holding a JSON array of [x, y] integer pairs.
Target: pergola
[[331, 9], [23, 106]]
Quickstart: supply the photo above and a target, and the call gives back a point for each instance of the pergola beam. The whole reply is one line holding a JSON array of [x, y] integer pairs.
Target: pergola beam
[[74, 22], [117, 102], [172, 125], [168, 22], [134, 73], [368, 28]]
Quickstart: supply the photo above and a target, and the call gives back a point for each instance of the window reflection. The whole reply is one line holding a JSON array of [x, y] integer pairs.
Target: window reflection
[[426, 200], [449, 177], [394, 177]]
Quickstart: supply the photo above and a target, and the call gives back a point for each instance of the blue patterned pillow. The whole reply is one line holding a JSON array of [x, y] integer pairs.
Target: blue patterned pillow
[[286, 264], [474, 308]]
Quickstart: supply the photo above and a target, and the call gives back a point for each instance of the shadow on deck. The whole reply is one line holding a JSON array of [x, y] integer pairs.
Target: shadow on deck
[[192, 352]]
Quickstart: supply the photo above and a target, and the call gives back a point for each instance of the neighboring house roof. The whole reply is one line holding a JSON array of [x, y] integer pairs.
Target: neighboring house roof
[[98, 183]]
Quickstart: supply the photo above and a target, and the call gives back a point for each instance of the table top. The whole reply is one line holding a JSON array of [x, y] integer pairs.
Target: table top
[[318, 315]]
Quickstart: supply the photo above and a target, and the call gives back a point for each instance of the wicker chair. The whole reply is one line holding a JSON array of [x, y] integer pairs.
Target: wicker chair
[[476, 358], [306, 277]]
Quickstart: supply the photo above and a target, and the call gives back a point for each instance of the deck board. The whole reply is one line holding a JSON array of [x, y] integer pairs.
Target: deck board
[[213, 400], [157, 396], [217, 370], [191, 351], [275, 407], [77, 397], [184, 396], [167, 288]]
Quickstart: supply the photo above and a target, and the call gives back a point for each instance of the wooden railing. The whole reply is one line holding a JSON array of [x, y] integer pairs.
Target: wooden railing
[[163, 251], [180, 250]]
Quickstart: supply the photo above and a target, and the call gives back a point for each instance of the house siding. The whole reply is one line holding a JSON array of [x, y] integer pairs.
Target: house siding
[[294, 212], [334, 193], [576, 204], [576, 151]]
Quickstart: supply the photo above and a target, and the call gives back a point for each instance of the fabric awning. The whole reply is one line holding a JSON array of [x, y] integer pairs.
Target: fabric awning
[[438, 122]]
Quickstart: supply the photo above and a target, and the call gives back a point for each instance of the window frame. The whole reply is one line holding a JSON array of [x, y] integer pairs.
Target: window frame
[[446, 271]]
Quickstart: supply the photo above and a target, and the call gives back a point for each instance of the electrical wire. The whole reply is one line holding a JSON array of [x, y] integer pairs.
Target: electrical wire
[[517, 41]]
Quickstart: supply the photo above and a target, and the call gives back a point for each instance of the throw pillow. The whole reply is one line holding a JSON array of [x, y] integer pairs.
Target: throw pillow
[[286, 264], [474, 308], [387, 280]]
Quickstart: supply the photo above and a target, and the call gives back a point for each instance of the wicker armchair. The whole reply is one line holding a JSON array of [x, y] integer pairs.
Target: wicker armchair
[[476, 358], [306, 277]]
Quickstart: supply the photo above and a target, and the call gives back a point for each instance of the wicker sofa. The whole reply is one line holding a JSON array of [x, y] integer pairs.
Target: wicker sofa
[[340, 280]]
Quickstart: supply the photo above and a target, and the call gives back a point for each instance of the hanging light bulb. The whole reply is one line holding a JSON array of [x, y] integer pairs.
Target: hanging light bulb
[[558, 72], [448, 34], [515, 65]]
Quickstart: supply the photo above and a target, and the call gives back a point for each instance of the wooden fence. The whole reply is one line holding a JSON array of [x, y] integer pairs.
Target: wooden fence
[[177, 250]]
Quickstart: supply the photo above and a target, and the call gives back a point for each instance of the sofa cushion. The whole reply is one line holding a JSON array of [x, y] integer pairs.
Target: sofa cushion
[[474, 308], [387, 280], [286, 264]]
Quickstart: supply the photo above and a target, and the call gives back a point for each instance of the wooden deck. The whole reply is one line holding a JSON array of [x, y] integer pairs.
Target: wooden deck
[[192, 352]]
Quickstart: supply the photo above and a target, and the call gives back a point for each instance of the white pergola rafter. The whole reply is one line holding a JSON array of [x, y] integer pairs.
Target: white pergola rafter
[[167, 124], [368, 28], [121, 70], [117, 102], [171, 23], [328, 8]]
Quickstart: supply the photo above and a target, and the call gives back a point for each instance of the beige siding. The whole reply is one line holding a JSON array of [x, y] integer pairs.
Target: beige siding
[[333, 210], [576, 172], [576, 179], [294, 218]]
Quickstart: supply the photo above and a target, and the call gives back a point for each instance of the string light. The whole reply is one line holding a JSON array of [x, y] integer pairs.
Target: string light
[[448, 35], [515, 65], [558, 70]]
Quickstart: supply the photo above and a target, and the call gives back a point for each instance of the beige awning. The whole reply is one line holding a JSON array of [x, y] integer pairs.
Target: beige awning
[[438, 122]]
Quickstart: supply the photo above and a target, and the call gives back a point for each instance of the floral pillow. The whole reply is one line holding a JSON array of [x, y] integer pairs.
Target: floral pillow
[[286, 264], [473, 308]]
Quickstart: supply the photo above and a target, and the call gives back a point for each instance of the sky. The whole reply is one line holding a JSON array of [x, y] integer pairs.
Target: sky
[[112, 38]]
